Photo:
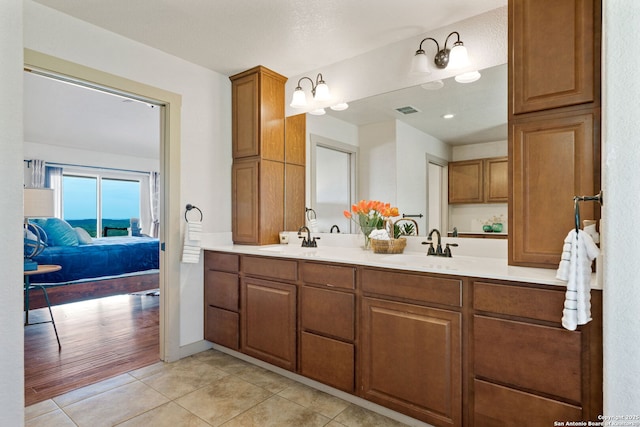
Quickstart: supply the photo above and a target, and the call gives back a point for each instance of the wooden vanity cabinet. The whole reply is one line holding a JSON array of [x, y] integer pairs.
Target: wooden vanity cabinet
[[479, 181], [269, 310], [411, 352], [222, 299], [327, 322], [552, 373]]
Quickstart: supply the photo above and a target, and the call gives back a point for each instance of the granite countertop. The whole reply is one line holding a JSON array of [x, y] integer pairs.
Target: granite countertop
[[482, 267]]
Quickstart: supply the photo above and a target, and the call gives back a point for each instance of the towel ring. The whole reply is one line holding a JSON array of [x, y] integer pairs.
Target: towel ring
[[576, 205], [190, 207], [310, 211]]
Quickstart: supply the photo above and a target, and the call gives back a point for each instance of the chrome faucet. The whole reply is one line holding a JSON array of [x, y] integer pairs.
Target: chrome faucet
[[307, 242], [336, 227]]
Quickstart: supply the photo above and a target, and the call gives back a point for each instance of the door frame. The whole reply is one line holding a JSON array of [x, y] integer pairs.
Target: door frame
[[169, 234]]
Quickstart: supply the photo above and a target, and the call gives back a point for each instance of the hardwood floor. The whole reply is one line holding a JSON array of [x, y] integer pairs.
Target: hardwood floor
[[100, 339]]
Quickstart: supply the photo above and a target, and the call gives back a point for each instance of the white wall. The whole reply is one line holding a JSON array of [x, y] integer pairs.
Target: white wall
[[621, 186], [205, 128], [377, 164], [11, 328]]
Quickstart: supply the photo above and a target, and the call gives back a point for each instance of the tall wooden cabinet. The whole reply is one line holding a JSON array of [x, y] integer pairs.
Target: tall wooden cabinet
[[554, 123], [265, 190]]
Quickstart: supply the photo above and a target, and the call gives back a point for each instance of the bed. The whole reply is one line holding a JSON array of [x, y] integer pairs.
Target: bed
[[95, 268]]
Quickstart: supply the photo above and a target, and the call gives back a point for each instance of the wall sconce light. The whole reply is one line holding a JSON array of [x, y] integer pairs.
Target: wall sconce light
[[454, 58], [319, 90]]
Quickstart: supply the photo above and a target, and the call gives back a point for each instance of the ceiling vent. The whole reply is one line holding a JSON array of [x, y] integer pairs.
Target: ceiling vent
[[407, 110]]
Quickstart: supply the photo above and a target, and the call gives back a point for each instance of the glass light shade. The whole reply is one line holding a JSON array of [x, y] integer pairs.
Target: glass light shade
[[298, 100], [38, 203], [458, 56], [469, 77], [420, 63], [340, 107], [318, 112], [322, 92]]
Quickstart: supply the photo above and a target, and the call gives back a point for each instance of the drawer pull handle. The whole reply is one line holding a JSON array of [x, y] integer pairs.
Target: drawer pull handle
[[330, 285]]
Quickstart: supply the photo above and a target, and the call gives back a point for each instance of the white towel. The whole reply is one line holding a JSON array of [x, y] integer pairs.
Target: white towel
[[578, 253], [192, 238]]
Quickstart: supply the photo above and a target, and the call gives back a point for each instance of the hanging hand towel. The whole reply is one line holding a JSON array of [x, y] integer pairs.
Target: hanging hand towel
[[191, 248], [578, 253]]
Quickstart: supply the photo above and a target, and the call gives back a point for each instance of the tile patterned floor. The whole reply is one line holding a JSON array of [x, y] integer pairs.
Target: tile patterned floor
[[208, 389]]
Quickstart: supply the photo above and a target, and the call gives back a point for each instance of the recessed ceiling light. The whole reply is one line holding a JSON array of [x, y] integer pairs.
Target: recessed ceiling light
[[434, 85], [318, 112], [469, 77], [448, 116]]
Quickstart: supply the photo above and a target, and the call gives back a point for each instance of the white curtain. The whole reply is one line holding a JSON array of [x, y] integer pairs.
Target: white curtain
[[53, 179], [154, 200], [37, 173]]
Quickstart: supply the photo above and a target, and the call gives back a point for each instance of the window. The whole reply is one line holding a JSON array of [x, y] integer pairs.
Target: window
[[100, 204]]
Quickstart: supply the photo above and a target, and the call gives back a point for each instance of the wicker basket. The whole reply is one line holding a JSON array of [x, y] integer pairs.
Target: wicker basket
[[392, 246]]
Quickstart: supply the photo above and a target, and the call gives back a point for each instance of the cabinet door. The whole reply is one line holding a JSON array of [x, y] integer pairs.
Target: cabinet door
[[246, 190], [554, 48], [246, 116], [411, 360], [552, 161], [496, 180], [269, 321], [327, 360], [466, 182], [222, 327]]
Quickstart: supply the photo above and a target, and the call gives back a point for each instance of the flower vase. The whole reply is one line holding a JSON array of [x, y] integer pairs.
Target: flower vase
[[366, 231]]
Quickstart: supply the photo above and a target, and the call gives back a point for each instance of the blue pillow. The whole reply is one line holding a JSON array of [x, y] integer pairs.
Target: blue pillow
[[60, 233]]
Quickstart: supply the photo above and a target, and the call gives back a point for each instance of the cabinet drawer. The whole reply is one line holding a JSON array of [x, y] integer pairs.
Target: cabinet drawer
[[329, 275], [495, 406], [222, 290], [328, 312], [222, 327], [328, 361], [270, 267], [413, 286], [221, 261], [541, 358], [539, 304]]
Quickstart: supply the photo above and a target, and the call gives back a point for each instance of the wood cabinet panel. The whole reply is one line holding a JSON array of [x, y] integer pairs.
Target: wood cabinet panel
[[541, 358], [295, 139], [258, 114], [496, 180], [269, 321], [338, 276], [328, 312], [466, 182], [222, 290], [221, 261], [411, 360], [498, 406], [294, 201], [552, 161], [328, 361], [538, 304], [554, 48], [268, 267], [222, 327], [245, 198], [416, 287]]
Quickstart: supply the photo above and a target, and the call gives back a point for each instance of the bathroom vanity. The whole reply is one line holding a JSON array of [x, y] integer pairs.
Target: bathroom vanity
[[460, 341]]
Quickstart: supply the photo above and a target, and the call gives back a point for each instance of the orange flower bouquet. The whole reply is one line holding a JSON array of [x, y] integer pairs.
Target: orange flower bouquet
[[371, 215]]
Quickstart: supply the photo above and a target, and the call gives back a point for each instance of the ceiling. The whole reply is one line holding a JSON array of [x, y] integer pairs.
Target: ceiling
[[291, 36]]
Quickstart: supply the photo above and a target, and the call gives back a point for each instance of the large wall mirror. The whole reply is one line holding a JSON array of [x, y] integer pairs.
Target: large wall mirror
[[403, 141]]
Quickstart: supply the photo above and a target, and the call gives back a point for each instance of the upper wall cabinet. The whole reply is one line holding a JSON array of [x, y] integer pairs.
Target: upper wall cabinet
[[554, 56], [479, 181], [258, 114]]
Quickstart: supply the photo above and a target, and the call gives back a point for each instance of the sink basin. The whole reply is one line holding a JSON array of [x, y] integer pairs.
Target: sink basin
[[425, 261], [290, 250]]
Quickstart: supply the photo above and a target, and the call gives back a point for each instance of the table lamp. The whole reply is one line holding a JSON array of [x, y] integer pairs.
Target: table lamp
[[38, 203]]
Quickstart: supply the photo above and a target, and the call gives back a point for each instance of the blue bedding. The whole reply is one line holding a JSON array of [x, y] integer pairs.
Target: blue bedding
[[106, 256]]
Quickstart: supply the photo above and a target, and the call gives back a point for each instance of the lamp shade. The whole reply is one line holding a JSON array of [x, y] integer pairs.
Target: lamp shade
[[322, 92], [420, 63], [469, 77], [458, 56], [38, 203], [298, 100]]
